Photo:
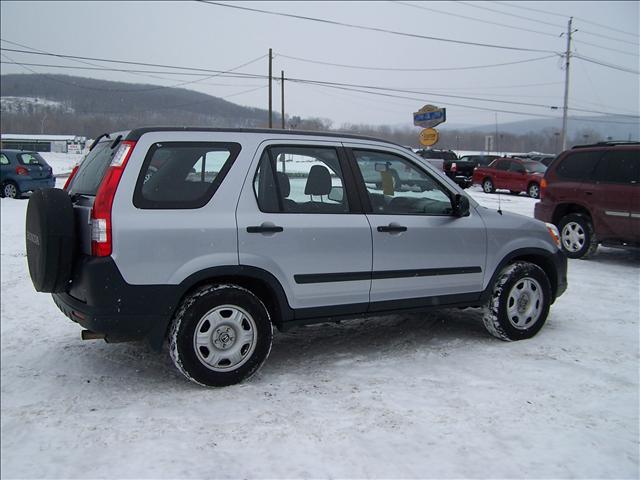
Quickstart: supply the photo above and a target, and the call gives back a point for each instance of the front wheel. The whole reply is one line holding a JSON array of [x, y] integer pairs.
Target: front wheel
[[520, 302], [577, 237], [220, 336], [487, 186]]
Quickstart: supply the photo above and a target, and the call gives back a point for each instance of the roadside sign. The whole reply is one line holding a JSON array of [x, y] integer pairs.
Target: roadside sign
[[429, 136], [429, 116]]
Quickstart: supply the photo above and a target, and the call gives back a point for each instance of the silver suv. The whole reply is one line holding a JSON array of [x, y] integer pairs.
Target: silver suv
[[209, 237]]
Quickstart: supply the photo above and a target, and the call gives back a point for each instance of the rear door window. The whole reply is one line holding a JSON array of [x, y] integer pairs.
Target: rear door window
[[578, 165], [621, 167], [178, 175], [3, 159], [92, 169]]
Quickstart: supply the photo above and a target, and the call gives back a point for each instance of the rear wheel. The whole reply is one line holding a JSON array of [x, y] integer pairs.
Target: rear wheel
[[520, 302], [487, 186], [220, 336], [533, 190], [11, 190], [577, 237]]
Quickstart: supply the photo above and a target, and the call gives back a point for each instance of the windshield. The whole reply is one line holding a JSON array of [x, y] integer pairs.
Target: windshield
[[92, 169], [534, 167]]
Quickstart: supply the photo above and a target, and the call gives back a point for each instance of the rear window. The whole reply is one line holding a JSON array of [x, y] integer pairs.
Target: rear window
[[183, 174], [618, 167], [92, 169], [535, 167], [577, 165], [31, 158]]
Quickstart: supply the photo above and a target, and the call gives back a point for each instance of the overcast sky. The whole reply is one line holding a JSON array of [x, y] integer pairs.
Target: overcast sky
[[194, 34]]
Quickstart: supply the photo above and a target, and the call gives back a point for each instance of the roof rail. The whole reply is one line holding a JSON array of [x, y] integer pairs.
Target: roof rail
[[610, 143]]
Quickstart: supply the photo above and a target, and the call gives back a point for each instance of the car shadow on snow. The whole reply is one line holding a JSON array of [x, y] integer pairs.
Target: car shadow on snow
[[615, 256], [374, 339]]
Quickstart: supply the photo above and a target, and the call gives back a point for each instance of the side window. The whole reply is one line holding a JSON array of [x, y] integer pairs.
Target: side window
[[618, 167], [3, 159], [292, 179], [182, 174], [502, 165], [397, 186], [517, 167], [577, 165]]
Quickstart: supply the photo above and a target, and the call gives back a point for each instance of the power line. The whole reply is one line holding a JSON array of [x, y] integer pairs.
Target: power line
[[635, 35], [465, 106], [145, 89], [422, 7], [605, 64], [374, 29], [143, 64], [553, 25], [395, 69], [607, 48]]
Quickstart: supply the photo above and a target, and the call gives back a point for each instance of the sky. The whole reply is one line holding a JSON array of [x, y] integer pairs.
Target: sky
[[428, 71]]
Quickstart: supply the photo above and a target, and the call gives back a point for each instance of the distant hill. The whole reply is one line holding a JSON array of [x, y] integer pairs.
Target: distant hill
[[62, 104], [619, 128]]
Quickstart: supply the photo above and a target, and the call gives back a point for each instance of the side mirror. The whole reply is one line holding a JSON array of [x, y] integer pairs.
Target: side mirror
[[336, 194], [461, 206]]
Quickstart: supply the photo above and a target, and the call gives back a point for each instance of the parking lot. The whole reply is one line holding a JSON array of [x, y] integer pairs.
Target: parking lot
[[404, 396]]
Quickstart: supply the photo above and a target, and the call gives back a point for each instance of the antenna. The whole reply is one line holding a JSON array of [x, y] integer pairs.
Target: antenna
[[499, 204]]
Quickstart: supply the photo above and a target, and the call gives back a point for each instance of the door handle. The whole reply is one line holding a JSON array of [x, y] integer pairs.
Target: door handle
[[392, 228], [265, 228], [588, 193]]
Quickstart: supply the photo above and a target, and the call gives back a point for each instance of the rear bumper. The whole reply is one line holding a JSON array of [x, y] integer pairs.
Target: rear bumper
[[31, 184], [463, 180], [100, 300], [543, 211]]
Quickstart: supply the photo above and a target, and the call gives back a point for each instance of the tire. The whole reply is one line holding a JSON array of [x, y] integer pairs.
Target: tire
[[514, 192], [533, 190], [11, 190], [487, 186], [220, 335], [50, 239], [577, 238], [519, 304]]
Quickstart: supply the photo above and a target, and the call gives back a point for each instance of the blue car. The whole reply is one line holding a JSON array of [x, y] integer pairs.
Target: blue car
[[22, 171]]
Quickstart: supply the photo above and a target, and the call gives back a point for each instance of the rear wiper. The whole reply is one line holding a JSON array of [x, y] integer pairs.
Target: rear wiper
[[95, 142]]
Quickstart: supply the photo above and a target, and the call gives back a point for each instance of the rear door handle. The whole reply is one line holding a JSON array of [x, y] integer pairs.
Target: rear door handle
[[392, 228], [265, 228], [588, 193]]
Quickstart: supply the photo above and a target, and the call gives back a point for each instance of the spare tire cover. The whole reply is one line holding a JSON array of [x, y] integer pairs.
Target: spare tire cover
[[50, 239]]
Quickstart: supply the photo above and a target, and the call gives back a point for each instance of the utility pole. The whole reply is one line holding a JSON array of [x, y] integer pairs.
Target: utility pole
[[282, 94], [270, 92], [566, 87]]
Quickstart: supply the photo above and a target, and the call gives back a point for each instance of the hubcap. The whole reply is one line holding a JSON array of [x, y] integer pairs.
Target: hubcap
[[10, 191], [524, 303], [487, 186], [533, 191], [225, 338], [573, 237]]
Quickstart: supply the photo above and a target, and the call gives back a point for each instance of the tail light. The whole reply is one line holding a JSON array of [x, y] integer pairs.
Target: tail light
[[73, 174], [454, 167], [543, 187], [22, 171], [101, 234]]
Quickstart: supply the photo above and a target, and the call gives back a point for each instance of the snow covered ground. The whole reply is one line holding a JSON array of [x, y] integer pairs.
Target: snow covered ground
[[405, 396]]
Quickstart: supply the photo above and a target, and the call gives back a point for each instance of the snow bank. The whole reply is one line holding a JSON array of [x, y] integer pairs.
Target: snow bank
[[405, 396]]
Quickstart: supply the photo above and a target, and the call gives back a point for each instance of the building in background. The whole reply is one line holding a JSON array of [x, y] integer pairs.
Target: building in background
[[43, 143]]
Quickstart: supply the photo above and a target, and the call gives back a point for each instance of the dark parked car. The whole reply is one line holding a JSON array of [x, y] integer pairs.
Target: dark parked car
[[513, 174], [22, 171], [461, 170], [592, 194]]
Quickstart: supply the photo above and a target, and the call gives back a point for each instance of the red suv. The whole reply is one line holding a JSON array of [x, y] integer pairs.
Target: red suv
[[591, 194], [513, 174]]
